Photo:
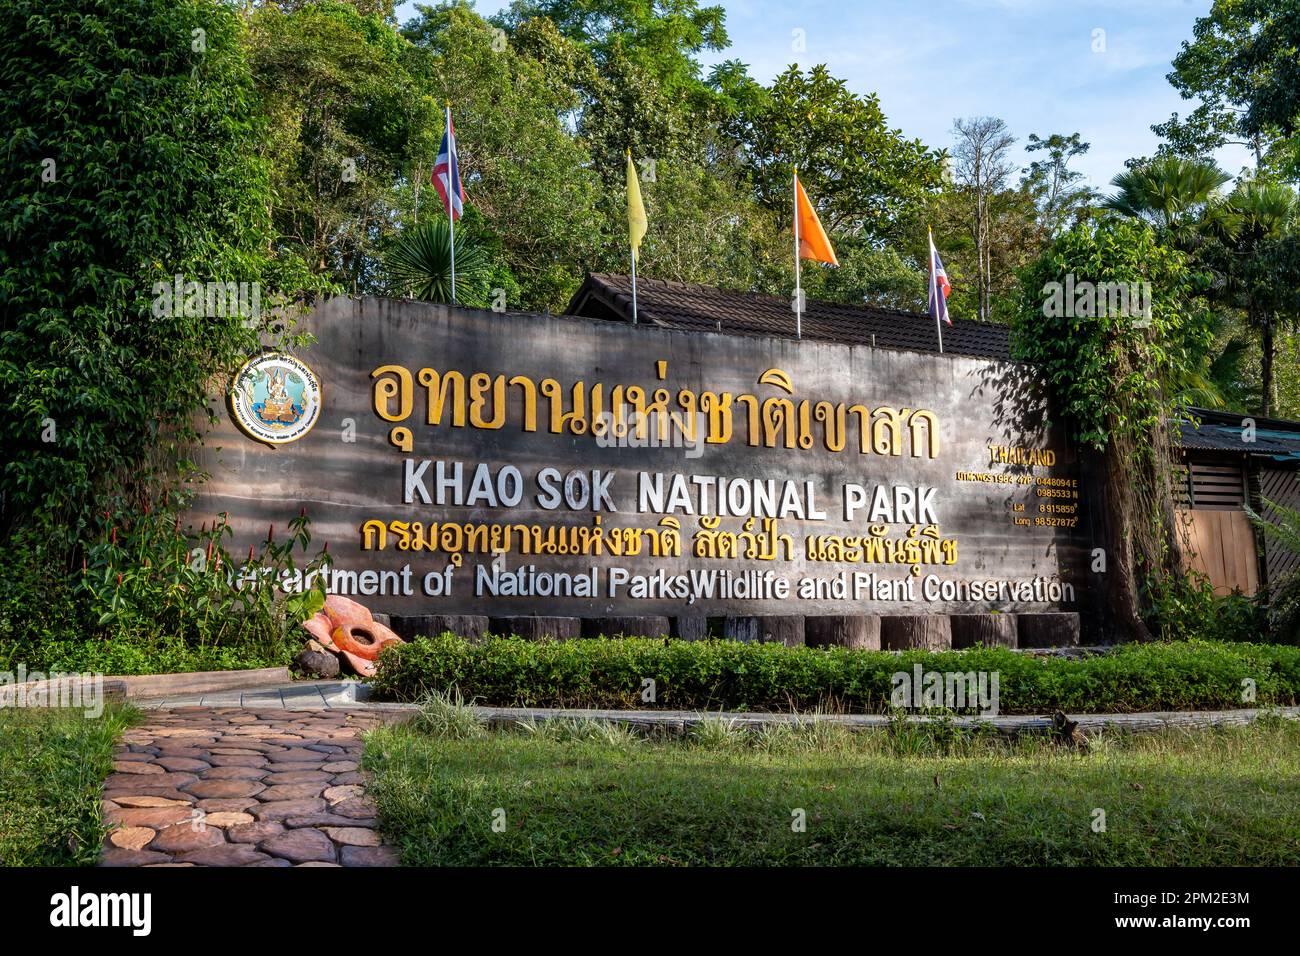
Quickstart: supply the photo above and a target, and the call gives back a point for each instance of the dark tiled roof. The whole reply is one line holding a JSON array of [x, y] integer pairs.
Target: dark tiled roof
[[1224, 432], [681, 305]]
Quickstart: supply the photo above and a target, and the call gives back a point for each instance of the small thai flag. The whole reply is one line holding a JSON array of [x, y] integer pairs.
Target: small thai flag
[[940, 287], [446, 174]]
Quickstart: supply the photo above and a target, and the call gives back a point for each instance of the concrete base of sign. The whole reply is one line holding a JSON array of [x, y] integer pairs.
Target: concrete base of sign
[[472, 627], [538, 628], [858, 631], [690, 627], [787, 630], [648, 626], [1053, 629], [924, 632], [991, 630]]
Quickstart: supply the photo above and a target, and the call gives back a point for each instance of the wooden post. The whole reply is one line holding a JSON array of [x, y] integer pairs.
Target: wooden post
[[989, 630], [929, 632], [858, 631]]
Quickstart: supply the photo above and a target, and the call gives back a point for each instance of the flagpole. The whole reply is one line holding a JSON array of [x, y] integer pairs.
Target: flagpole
[[451, 202], [633, 251], [798, 289], [935, 291]]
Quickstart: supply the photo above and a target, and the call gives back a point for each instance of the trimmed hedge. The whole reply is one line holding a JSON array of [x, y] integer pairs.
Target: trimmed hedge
[[729, 675]]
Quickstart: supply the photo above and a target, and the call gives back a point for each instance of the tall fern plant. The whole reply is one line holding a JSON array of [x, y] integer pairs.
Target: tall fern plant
[[419, 265], [1283, 526]]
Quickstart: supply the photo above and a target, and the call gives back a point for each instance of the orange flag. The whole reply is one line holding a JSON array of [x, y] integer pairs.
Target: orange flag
[[813, 243]]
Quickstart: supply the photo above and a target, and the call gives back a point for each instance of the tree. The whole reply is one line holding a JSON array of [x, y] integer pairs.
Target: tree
[[1208, 68], [1111, 373], [532, 188], [1054, 185], [864, 176], [981, 169], [344, 110], [1256, 252], [1169, 192], [133, 158], [1267, 66], [420, 265]]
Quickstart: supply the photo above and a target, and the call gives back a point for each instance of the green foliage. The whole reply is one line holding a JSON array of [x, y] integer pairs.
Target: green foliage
[[52, 766], [729, 675], [152, 597], [864, 176], [1169, 192], [1108, 370], [419, 264], [908, 797], [155, 173]]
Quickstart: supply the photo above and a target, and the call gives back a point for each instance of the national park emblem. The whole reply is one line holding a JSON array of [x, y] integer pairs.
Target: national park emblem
[[275, 398]]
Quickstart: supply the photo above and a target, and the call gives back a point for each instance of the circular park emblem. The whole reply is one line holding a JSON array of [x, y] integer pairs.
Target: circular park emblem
[[275, 398]]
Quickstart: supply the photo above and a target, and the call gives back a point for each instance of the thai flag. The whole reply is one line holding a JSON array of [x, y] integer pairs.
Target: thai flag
[[446, 174], [940, 287]]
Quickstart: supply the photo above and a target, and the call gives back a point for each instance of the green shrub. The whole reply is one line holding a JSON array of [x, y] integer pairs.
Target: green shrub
[[713, 675]]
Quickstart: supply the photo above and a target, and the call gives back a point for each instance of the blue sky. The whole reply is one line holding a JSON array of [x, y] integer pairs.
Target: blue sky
[[1030, 62]]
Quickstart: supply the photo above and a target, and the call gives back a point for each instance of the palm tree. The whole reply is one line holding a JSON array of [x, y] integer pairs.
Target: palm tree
[[1169, 192], [1255, 254], [419, 265]]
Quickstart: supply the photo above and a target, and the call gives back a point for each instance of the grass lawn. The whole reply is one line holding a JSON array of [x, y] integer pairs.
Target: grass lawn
[[584, 794], [52, 764]]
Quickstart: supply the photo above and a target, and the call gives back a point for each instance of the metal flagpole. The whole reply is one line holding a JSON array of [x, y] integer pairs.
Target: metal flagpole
[[452, 197], [935, 291], [798, 290], [633, 251]]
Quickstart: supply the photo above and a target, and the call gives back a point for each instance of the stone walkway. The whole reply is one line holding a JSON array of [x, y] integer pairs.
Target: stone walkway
[[232, 786]]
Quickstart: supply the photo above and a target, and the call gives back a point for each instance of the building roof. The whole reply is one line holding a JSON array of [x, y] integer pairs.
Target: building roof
[[702, 308], [1218, 431]]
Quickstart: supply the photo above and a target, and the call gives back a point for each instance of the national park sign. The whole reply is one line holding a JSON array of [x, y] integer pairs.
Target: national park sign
[[468, 462]]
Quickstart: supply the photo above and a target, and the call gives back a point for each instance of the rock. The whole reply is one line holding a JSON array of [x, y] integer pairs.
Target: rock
[[355, 807], [369, 856], [226, 854], [151, 801], [226, 804], [340, 766], [353, 836], [301, 846], [296, 776], [117, 856], [132, 838], [183, 837], [254, 832], [183, 763], [136, 767], [235, 773], [338, 794], [226, 818], [154, 817], [282, 809], [291, 791], [226, 788], [316, 663]]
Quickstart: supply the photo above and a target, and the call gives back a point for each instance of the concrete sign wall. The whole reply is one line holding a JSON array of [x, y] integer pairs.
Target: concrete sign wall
[[465, 462]]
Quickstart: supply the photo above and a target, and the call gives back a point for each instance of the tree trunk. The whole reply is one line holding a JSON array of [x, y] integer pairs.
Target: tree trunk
[[1124, 602]]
